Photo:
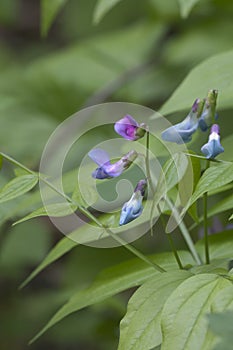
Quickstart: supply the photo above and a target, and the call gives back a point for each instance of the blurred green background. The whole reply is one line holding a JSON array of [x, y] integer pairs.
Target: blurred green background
[[139, 52]]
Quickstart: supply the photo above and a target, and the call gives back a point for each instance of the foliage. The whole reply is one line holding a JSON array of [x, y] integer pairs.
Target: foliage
[[153, 53]]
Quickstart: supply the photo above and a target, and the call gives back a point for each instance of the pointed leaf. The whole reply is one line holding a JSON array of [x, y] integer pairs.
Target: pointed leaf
[[186, 6], [55, 210], [184, 322], [115, 280], [102, 7], [140, 328], [214, 72], [18, 187], [49, 10], [213, 178]]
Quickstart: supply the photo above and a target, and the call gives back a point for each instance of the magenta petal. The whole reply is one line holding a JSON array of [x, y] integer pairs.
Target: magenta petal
[[99, 156], [127, 127]]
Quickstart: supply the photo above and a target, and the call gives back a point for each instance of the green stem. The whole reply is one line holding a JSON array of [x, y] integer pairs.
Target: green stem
[[173, 248], [89, 215], [171, 242], [148, 162], [185, 232], [205, 210]]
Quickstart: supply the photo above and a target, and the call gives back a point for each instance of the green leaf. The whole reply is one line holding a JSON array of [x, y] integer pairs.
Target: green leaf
[[213, 178], [173, 171], [215, 72], [184, 322], [86, 196], [140, 328], [17, 187], [186, 6], [61, 248], [1, 159], [221, 325], [220, 245], [102, 7], [231, 217], [49, 10], [55, 210], [115, 280]]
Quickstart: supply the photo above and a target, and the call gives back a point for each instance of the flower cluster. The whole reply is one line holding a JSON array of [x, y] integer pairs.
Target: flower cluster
[[128, 128], [201, 116]]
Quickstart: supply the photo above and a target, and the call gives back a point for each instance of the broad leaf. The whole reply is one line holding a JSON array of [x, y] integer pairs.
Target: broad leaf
[[220, 245], [102, 7], [215, 72], [55, 210], [213, 178], [184, 322], [49, 10], [140, 328], [115, 280], [186, 6], [18, 187], [221, 325], [84, 195]]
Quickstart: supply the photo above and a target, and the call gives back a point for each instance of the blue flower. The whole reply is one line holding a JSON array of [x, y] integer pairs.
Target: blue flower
[[213, 147], [208, 115], [106, 169], [129, 128], [182, 132], [133, 208]]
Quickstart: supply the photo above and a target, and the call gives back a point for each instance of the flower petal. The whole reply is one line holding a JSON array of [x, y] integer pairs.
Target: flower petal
[[99, 156], [127, 128]]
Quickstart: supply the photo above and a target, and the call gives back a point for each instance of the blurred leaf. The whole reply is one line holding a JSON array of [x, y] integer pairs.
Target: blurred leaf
[[23, 245], [1, 159], [114, 280], [102, 7], [49, 10], [215, 72], [140, 328], [221, 325], [231, 217], [183, 325], [173, 171], [55, 210], [220, 245], [84, 194], [213, 177], [186, 6], [17, 187]]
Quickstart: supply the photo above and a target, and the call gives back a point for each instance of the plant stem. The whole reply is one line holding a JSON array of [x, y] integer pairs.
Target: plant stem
[[185, 232], [173, 248], [148, 162], [89, 216], [171, 242], [205, 210]]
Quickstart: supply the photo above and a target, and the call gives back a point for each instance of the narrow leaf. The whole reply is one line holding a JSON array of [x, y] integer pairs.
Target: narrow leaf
[[55, 210], [49, 10], [115, 280], [184, 322], [214, 72], [140, 328], [18, 187], [213, 178], [231, 217], [186, 7], [102, 7]]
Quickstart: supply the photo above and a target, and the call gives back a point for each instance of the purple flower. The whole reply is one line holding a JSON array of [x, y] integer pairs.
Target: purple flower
[[133, 208], [106, 169], [208, 115], [129, 128], [182, 132], [213, 147]]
